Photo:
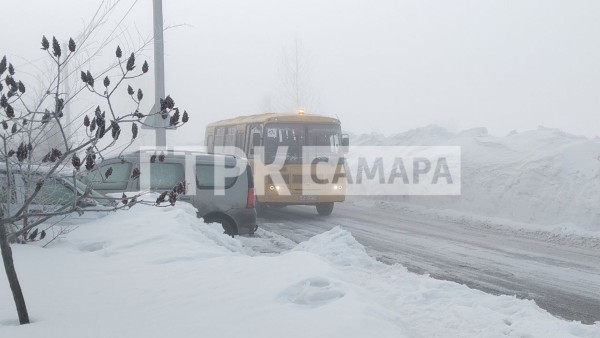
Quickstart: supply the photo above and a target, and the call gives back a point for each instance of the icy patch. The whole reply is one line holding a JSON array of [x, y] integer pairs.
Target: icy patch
[[564, 234]]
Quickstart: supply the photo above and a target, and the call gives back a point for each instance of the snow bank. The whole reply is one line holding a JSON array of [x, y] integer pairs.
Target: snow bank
[[542, 176], [155, 272]]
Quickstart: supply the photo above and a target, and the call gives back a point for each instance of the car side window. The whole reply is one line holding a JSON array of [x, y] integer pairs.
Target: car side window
[[205, 178], [116, 181], [166, 175]]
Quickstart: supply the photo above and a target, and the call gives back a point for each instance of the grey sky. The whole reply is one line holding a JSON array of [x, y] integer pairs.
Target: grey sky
[[384, 66]]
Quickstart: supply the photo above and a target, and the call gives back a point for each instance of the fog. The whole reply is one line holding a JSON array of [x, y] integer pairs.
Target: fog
[[379, 66]]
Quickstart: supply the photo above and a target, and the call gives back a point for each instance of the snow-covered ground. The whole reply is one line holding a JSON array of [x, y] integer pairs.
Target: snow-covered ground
[[543, 176], [152, 272]]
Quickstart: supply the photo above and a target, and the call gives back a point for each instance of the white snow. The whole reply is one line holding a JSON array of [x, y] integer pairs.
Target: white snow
[[157, 272], [543, 176]]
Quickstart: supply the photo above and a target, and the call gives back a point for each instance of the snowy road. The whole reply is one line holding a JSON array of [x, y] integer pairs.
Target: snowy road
[[562, 274]]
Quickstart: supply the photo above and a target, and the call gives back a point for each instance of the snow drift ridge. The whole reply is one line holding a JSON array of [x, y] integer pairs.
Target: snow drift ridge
[[542, 176]]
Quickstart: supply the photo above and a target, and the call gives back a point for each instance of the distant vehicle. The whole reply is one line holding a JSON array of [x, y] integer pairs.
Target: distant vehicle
[[233, 209], [294, 131]]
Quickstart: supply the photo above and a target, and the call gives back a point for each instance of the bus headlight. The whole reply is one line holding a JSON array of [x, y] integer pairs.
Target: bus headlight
[[271, 187], [337, 187]]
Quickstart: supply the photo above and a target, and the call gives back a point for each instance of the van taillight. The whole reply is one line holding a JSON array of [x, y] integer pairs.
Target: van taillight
[[250, 202]]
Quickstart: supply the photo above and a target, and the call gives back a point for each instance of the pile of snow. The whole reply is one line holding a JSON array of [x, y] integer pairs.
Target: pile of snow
[[542, 176], [157, 272]]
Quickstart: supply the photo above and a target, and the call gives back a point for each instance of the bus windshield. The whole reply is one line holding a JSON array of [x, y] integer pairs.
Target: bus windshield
[[296, 135]]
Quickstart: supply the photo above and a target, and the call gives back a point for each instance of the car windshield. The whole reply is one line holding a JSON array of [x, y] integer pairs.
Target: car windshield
[[54, 192], [294, 136], [82, 187]]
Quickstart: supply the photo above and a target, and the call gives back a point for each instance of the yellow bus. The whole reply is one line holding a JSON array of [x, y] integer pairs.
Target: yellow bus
[[271, 132]]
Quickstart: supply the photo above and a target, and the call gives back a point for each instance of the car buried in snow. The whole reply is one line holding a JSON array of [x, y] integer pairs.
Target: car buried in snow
[[56, 192]]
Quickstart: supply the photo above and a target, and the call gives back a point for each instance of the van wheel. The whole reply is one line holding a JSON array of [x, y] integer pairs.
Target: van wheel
[[229, 227], [325, 209]]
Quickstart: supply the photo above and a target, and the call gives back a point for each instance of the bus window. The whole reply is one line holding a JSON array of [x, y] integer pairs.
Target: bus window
[[290, 135], [230, 137], [210, 144], [294, 136], [254, 138], [219, 137], [239, 140], [325, 136]]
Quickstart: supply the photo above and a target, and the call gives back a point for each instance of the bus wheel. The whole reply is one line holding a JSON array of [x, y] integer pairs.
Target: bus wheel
[[260, 208], [325, 209]]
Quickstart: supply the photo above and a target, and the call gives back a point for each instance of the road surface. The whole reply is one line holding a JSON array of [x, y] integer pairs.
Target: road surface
[[562, 275]]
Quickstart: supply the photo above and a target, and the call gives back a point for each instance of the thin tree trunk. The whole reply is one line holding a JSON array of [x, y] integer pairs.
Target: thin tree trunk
[[11, 274]]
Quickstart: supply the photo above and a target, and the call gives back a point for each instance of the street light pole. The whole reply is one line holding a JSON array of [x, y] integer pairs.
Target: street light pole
[[159, 73]]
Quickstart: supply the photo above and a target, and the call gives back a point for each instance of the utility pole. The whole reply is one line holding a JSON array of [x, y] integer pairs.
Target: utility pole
[[159, 74], [67, 91], [297, 84]]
